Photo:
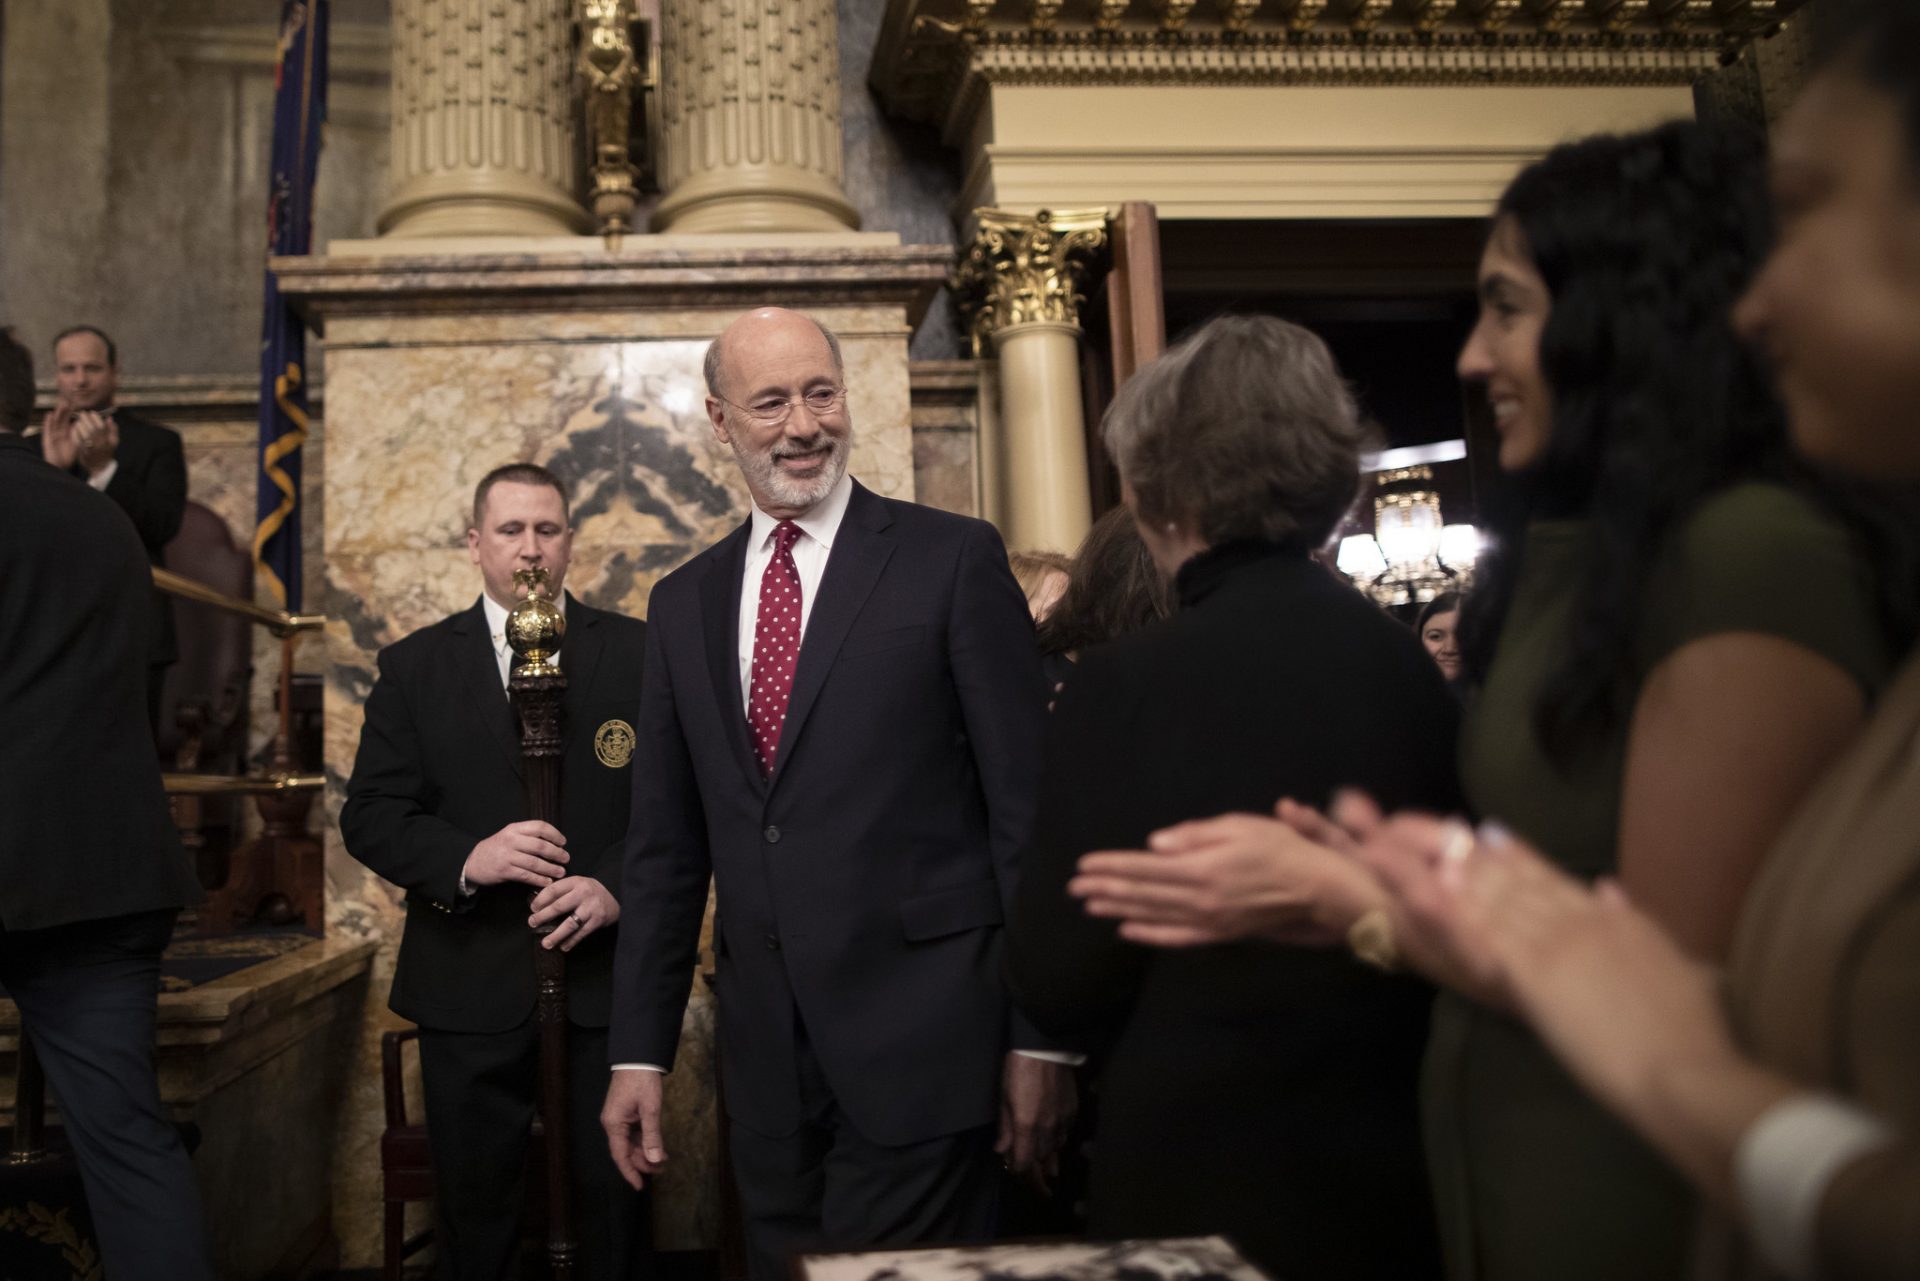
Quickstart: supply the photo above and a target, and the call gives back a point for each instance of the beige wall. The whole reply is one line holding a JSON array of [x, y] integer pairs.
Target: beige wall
[[1226, 151]]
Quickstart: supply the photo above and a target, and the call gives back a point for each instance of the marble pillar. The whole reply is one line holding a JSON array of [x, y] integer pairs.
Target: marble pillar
[[483, 120], [750, 118], [441, 364], [1022, 284]]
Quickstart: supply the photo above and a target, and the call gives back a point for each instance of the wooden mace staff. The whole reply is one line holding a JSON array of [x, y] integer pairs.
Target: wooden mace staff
[[535, 630]]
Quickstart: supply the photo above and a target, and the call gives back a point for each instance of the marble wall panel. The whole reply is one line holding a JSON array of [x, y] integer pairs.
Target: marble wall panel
[[898, 175], [943, 469]]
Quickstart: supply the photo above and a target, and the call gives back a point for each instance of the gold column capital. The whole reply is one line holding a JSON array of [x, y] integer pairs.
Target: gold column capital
[[1024, 269]]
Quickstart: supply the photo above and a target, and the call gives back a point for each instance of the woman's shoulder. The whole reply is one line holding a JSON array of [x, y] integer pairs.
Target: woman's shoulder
[[1759, 521], [1762, 556]]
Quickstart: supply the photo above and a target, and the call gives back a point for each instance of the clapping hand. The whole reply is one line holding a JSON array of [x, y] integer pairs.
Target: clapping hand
[[57, 444], [96, 438]]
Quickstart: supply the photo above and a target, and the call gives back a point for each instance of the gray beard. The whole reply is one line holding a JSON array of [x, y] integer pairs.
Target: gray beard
[[765, 477]]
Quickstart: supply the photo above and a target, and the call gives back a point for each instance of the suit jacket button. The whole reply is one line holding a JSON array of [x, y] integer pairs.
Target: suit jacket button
[[773, 942], [772, 834]]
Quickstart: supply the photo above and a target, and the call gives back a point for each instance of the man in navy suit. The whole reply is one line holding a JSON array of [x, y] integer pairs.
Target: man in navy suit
[[840, 718]]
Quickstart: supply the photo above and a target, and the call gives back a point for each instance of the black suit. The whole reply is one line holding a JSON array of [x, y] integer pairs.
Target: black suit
[[861, 890], [150, 485], [438, 771], [1263, 1092], [93, 869]]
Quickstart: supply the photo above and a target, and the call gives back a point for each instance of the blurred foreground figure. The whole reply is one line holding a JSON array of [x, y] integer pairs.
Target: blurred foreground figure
[[93, 870]]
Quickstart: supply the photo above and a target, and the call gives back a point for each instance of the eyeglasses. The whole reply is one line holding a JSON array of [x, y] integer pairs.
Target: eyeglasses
[[771, 411]]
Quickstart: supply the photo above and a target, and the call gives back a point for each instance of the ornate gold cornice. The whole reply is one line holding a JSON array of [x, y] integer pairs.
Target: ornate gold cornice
[[1025, 269], [936, 58]]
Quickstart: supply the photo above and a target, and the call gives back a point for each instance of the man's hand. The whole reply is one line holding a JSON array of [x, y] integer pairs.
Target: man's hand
[[529, 852], [57, 444], [1217, 880], [96, 436], [1038, 1102], [631, 1118], [580, 903]]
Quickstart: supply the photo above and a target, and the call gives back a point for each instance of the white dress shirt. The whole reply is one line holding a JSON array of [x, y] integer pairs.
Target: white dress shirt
[[1783, 1165], [810, 552]]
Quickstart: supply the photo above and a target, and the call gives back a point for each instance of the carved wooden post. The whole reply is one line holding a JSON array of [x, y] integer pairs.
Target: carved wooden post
[[535, 629]]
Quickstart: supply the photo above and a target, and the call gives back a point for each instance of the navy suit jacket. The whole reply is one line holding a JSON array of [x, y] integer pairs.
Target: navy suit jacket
[[438, 771], [862, 888]]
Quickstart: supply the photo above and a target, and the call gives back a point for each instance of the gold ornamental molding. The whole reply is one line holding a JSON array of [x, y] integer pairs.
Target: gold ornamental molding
[[936, 59], [1025, 269]]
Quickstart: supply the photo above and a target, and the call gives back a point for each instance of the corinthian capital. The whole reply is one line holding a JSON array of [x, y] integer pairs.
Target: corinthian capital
[[1024, 269]]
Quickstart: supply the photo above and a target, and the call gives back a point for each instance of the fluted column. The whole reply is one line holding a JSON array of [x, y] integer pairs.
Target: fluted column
[[1022, 285], [750, 117], [483, 128]]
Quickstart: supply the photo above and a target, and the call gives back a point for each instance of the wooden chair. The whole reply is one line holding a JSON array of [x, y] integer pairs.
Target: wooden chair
[[406, 1164]]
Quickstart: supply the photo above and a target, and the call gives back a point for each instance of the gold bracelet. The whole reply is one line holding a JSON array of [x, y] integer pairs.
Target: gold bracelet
[[1370, 938]]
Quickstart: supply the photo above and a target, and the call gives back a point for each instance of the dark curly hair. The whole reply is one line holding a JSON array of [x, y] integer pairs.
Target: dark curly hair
[[1112, 588], [1644, 241]]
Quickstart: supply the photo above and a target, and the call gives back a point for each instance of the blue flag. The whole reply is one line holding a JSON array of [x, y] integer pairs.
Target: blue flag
[[299, 107]]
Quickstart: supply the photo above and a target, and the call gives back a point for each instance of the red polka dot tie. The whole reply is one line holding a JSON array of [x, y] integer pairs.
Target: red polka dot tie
[[776, 646]]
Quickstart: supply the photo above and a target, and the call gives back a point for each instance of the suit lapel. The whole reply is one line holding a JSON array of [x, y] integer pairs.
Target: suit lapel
[[473, 652], [720, 619], [860, 552]]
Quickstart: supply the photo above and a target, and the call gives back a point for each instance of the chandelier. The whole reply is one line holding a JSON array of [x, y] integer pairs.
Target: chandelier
[[1412, 554]]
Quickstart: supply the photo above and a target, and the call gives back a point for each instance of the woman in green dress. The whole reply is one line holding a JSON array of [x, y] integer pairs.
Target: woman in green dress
[[1675, 632], [1671, 640]]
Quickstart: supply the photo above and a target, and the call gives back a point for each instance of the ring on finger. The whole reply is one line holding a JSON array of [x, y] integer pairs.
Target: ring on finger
[[1459, 844]]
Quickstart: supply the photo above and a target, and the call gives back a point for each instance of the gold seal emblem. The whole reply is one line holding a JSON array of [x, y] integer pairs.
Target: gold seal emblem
[[613, 744]]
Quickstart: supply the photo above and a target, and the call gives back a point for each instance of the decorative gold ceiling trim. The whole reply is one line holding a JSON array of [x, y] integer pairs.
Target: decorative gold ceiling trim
[[936, 59]]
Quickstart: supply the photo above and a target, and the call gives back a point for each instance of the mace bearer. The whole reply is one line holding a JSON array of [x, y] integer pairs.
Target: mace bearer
[[536, 685]]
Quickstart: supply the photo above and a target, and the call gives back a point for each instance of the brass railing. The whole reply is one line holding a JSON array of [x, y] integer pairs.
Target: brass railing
[[288, 627]]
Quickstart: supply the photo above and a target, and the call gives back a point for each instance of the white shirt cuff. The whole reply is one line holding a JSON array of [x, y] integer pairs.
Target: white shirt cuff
[[104, 477], [639, 1067], [1783, 1165], [1053, 1056]]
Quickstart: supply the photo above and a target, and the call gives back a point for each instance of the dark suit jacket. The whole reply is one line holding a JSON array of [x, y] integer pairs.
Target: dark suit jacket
[[1262, 1091], [439, 771], [865, 884], [150, 484], [84, 828]]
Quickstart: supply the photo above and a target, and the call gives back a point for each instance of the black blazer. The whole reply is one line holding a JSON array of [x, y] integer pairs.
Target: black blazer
[[150, 484], [1260, 1091], [439, 771], [866, 883], [85, 832]]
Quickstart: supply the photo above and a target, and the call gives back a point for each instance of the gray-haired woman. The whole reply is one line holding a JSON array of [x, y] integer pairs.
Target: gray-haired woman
[[1266, 1093]]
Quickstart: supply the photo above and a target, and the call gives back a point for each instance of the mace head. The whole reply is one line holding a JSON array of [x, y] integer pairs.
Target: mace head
[[535, 627]]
